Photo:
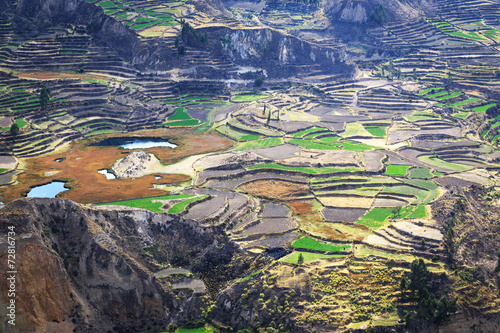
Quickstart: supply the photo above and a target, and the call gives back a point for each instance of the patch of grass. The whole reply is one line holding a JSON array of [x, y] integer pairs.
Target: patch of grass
[[309, 170], [181, 206], [21, 122], [313, 244], [443, 164], [249, 98], [470, 35], [375, 218], [470, 100], [147, 203], [179, 114], [190, 122], [256, 144], [483, 108], [422, 173], [377, 131], [2, 170], [309, 256], [106, 4], [438, 94], [312, 145], [452, 95], [461, 115], [205, 329], [428, 90], [419, 213], [396, 170], [306, 131]]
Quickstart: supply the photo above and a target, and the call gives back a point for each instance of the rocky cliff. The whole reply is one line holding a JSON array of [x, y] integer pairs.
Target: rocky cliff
[[87, 269]]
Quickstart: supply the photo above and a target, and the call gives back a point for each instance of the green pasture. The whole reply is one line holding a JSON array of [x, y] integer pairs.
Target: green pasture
[[313, 244], [147, 203]]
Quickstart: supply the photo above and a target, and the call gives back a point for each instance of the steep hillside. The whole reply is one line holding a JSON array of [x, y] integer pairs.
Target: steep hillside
[[92, 271]]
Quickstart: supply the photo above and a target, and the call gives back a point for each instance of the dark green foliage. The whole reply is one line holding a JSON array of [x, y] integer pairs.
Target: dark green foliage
[[377, 16], [419, 278], [415, 78], [181, 49], [44, 97], [14, 129], [191, 37], [497, 269], [300, 260], [429, 308], [449, 82], [258, 81]]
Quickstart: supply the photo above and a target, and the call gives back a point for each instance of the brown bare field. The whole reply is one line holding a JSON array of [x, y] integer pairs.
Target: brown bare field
[[272, 189], [301, 206], [82, 162], [346, 201], [55, 75]]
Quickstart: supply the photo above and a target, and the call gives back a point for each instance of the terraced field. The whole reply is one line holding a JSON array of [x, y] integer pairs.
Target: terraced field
[[338, 171]]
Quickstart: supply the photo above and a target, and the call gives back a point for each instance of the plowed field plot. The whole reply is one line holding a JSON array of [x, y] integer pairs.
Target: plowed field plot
[[302, 206], [270, 225], [232, 184], [275, 189], [346, 201], [273, 210], [342, 214], [373, 160], [207, 208], [275, 241], [453, 181], [278, 152]]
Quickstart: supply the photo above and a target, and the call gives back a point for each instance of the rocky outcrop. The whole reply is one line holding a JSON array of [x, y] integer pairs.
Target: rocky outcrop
[[279, 54], [85, 268], [136, 164]]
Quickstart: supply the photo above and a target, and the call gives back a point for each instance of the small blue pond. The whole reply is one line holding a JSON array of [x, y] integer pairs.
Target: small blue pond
[[49, 190], [135, 143]]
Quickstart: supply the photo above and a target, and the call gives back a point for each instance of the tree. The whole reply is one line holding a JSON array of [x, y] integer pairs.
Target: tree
[[396, 211], [377, 16], [300, 260], [44, 97], [449, 82], [258, 81], [402, 285], [419, 278], [269, 116], [14, 130], [415, 78], [497, 269]]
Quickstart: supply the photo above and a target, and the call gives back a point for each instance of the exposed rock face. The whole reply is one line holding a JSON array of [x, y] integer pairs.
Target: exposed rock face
[[135, 164], [84, 268], [277, 53]]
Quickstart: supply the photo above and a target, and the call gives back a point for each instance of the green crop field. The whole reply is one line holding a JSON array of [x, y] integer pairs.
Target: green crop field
[[461, 115], [396, 170], [181, 123], [21, 122], [452, 95], [256, 144], [470, 100], [181, 206], [309, 170], [377, 131], [309, 130], [420, 173], [313, 244], [483, 108], [428, 90], [443, 164], [179, 114], [309, 256], [248, 98], [375, 218], [419, 213], [147, 203]]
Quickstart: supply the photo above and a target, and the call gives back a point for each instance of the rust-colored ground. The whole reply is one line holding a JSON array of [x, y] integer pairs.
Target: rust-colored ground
[[82, 162], [301, 206], [275, 189], [55, 75]]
